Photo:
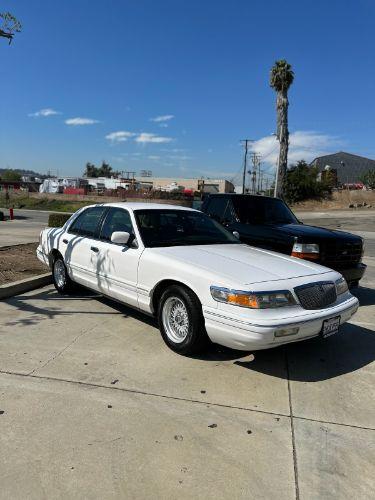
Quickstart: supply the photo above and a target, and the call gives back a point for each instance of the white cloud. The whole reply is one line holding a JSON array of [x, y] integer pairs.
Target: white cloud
[[180, 157], [45, 112], [303, 145], [80, 121], [163, 125], [153, 157], [145, 138], [119, 136], [175, 150], [162, 118]]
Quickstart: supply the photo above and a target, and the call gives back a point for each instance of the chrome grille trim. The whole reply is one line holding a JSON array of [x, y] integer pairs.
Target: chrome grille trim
[[316, 295]]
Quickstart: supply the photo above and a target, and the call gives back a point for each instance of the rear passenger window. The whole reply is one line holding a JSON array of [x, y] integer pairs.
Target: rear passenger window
[[117, 220], [87, 223]]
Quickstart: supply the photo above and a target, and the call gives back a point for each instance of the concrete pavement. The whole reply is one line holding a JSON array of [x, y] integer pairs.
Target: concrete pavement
[[95, 406]]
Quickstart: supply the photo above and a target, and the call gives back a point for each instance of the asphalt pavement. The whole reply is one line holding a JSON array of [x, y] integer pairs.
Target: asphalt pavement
[[25, 228]]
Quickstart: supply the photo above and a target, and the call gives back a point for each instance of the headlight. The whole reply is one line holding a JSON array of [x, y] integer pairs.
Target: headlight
[[341, 286], [305, 250], [363, 248], [253, 300]]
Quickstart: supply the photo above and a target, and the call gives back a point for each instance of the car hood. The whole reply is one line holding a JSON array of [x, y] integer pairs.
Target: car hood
[[304, 231], [241, 263]]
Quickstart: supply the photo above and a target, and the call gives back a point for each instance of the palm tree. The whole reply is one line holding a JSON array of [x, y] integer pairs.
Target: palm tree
[[281, 78]]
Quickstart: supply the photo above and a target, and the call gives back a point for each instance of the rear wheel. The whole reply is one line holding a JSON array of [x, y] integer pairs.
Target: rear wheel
[[181, 320], [61, 280]]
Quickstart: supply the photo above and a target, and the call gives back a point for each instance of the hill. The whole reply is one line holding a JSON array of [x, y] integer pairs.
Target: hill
[[22, 172]]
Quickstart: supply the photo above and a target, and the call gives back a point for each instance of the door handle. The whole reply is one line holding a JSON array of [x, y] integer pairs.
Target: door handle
[[65, 241], [95, 249]]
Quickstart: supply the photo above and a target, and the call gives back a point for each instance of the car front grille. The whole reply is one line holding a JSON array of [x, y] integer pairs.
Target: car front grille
[[338, 254], [316, 295]]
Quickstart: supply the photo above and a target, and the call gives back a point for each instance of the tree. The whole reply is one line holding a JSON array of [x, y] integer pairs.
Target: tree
[[301, 183], [9, 25], [91, 170], [11, 175], [105, 170], [368, 179], [281, 78]]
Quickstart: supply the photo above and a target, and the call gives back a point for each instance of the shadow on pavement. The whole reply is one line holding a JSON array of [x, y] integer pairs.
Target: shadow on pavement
[[366, 296], [308, 361], [21, 217], [27, 304], [321, 359]]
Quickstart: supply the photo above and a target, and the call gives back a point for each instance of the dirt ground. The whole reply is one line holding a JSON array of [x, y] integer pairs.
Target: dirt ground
[[19, 262], [338, 201]]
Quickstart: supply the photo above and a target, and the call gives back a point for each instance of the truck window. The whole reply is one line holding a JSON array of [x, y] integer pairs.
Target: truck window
[[259, 210], [216, 208]]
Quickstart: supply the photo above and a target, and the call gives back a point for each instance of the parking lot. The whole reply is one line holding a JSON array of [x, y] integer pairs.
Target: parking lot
[[94, 405]]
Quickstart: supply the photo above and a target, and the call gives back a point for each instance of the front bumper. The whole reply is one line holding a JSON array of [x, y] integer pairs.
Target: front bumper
[[237, 333], [353, 274]]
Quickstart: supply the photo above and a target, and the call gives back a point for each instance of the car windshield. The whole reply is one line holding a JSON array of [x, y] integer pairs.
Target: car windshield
[[262, 210], [168, 227]]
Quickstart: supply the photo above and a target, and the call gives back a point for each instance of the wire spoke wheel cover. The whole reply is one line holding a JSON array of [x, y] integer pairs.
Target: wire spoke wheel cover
[[59, 273], [175, 319]]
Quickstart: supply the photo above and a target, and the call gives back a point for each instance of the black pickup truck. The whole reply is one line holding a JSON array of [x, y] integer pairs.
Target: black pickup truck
[[269, 223]]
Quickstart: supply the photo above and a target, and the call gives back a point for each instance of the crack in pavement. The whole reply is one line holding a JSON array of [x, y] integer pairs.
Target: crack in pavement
[[176, 398], [62, 350], [292, 428]]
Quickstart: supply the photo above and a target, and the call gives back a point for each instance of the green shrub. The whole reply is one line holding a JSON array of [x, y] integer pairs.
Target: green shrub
[[368, 179], [301, 183], [57, 220]]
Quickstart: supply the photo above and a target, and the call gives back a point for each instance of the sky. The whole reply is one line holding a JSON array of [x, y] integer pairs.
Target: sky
[[173, 86]]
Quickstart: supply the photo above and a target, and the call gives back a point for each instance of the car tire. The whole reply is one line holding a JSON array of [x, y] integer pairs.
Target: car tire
[[61, 280], [353, 284], [181, 321]]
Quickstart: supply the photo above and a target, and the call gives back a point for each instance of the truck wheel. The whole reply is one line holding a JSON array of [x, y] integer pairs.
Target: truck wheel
[[61, 280], [181, 321], [354, 284]]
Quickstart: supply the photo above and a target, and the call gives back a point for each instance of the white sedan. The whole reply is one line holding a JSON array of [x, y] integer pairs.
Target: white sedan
[[198, 279]]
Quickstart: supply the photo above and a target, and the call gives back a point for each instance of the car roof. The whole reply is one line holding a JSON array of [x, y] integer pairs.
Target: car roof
[[238, 195], [144, 206]]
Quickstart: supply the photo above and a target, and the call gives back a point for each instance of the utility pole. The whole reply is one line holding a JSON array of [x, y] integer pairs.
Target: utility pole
[[245, 142], [259, 177], [255, 158]]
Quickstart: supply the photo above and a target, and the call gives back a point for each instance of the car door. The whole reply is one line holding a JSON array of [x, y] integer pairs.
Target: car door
[[78, 246], [117, 264]]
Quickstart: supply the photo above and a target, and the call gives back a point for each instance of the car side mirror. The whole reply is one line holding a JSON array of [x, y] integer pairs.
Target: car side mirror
[[120, 237], [236, 234]]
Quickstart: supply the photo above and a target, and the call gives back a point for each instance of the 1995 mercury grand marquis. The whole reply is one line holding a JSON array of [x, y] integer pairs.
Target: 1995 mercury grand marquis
[[197, 278]]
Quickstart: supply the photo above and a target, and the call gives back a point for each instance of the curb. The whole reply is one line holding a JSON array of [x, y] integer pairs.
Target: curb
[[21, 286]]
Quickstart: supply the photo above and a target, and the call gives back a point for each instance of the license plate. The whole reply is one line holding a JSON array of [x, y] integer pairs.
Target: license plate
[[330, 326]]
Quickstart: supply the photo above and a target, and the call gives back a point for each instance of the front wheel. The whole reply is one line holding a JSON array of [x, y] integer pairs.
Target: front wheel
[[61, 280], [181, 320]]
